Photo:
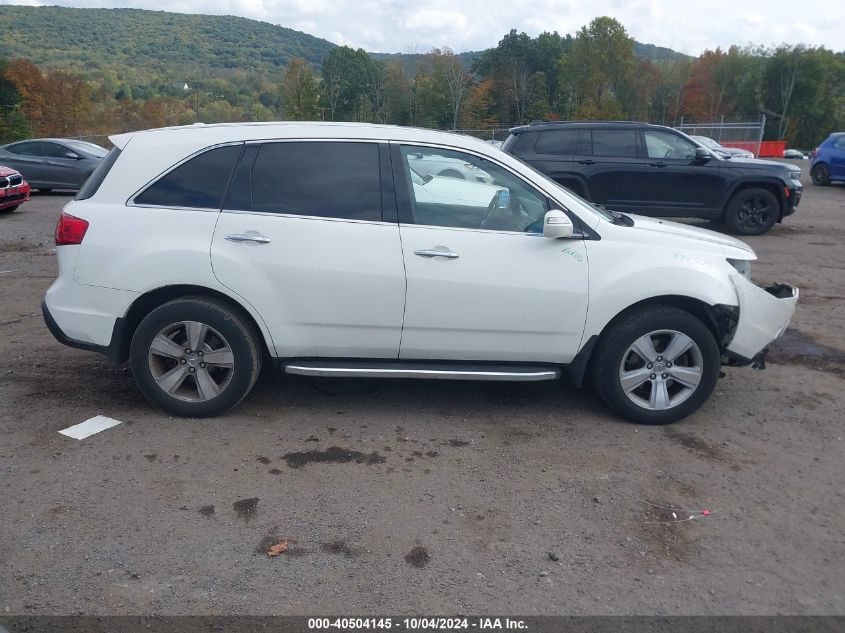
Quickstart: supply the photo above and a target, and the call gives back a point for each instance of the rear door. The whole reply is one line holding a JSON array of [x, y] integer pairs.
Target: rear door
[[609, 161], [554, 155], [303, 238], [676, 183]]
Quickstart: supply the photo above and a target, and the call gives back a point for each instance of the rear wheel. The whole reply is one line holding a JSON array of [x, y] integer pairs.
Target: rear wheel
[[14, 207], [752, 211], [195, 357], [820, 175], [656, 365]]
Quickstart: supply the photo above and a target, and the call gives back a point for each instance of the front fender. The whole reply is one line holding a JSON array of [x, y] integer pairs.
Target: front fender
[[698, 280]]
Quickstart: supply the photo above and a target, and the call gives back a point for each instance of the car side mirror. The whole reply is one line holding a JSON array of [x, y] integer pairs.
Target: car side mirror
[[556, 225], [72, 155], [702, 154]]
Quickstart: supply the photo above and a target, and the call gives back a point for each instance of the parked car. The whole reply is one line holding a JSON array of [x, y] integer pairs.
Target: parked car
[[794, 153], [14, 190], [437, 189], [53, 163], [313, 249], [428, 164], [726, 152], [829, 160], [658, 171]]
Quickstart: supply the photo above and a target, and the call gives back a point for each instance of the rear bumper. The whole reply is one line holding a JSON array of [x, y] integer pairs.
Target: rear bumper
[[87, 317], [112, 351], [764, 314]]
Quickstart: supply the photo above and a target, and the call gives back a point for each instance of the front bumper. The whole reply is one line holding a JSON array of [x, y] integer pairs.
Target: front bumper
[[764, 314], [13, 196], [792, 199]]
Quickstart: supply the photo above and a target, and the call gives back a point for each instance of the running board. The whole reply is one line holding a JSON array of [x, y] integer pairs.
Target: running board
[[327, 368]]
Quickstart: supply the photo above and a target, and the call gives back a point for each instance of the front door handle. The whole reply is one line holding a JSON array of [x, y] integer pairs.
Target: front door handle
[[661, 164], [440, 251], [587, 162], [247, 237]]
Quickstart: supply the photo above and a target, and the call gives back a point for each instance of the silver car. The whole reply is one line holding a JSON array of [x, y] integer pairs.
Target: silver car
[[732, 152], [53, 163]]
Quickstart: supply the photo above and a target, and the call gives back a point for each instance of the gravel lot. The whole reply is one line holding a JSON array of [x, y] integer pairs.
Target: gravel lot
[[424, 497]]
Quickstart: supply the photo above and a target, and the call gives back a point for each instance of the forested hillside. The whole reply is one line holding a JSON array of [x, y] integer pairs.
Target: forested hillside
[[154, 40], [92, 72]]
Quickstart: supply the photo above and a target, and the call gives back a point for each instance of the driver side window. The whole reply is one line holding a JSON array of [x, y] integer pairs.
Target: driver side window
[[665, 145], [453, 189]]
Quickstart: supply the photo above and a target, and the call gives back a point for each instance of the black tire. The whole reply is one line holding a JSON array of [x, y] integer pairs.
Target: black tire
[[225, 328], [11, 209], [752, 211], [614, 349], [820, 175], [42, 190], [451, 173]]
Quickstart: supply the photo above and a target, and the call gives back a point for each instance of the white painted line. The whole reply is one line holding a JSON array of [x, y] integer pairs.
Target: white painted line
[[89, 427]]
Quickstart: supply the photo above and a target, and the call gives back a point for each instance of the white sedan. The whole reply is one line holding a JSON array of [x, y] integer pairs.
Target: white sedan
[[434, 165]]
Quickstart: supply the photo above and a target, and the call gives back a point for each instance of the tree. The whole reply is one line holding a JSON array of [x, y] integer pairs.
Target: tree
[[458, 82], [347, 83], [598, 68], [299, 91]]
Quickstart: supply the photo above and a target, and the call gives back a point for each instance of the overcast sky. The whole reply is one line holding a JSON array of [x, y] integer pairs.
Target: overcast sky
[[393, 26]]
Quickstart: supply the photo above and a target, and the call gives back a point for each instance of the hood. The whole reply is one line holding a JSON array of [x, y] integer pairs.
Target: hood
[[7, 171], [759, 162], [684, 231]]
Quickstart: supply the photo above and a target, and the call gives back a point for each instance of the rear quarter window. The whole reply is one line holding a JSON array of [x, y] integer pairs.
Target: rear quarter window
[[198, 183]]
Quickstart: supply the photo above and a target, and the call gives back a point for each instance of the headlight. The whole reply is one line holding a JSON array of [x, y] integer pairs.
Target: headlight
[[743, 267], [795, 175]]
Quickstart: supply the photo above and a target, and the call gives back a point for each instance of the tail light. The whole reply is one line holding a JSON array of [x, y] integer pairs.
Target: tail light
[[70, 230]]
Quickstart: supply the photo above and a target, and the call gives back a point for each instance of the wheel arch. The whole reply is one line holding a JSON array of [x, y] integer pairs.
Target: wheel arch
[[772, 186], [715, 317], [152, 299]]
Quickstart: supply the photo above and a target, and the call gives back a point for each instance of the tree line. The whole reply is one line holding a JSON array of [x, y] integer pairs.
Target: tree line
[[594, 74]]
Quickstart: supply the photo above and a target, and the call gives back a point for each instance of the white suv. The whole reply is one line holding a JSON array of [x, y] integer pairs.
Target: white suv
[[197, 253]]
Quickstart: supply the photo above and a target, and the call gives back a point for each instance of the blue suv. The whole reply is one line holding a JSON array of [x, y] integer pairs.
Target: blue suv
[[829, 160]]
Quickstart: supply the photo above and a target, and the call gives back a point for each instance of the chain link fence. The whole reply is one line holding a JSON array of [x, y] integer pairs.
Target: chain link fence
[[744, 135]]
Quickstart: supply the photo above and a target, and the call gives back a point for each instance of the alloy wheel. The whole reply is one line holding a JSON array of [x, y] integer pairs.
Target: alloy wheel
[[661, 369], [191, 361]]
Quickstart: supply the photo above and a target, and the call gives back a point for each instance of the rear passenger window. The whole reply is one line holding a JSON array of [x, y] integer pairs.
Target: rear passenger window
[[323, 179], [557, 142], [616, 143], [198, 183]]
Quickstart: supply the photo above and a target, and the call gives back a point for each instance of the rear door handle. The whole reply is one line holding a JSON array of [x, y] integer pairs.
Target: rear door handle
[[437, 252], [247, 237], [658, 164], [587, 162]]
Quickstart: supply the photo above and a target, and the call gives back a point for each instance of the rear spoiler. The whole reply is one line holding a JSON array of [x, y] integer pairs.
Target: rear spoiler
[[121, 140]]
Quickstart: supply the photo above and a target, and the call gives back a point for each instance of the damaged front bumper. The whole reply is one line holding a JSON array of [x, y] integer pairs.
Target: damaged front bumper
[[764, 314]]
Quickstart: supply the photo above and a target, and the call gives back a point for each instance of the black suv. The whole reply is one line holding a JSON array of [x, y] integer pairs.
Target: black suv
[[655, 170]]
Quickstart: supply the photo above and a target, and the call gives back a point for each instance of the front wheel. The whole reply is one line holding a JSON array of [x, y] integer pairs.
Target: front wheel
[[656, 365], [820, 175], [752, 211], [195, 357], [14, 207]]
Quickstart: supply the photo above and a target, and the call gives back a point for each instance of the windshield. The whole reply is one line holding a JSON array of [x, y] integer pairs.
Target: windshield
[[597, 210], [707, 142], [88, 148]]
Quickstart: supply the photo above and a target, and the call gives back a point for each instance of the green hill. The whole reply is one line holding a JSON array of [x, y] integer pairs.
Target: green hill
[[139, 42], [157, 40]]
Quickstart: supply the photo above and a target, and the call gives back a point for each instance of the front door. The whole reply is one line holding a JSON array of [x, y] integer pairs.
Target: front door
[[678, 184], [483, 284], [614, 172], [302, 238]]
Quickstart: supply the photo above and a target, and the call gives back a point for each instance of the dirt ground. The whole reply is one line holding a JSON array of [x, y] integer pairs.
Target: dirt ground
[[425, 497]]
